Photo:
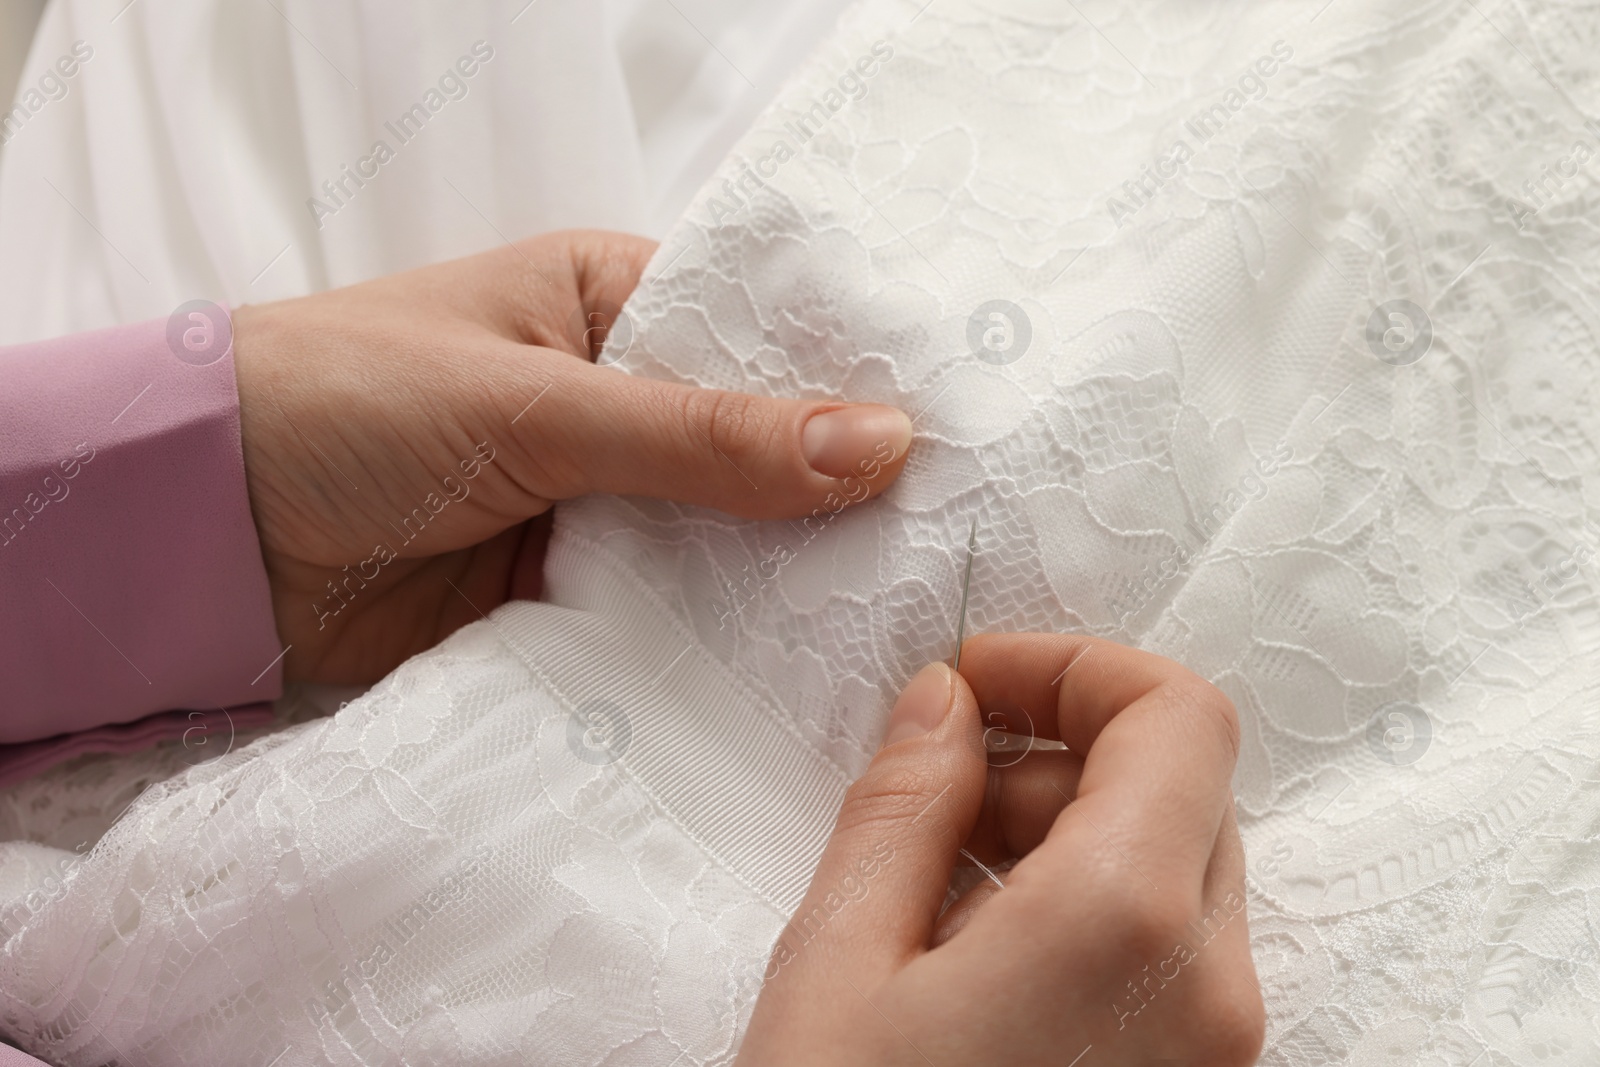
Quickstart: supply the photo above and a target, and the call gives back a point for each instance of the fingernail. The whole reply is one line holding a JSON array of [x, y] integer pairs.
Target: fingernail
[[922, 706], [844, 441]]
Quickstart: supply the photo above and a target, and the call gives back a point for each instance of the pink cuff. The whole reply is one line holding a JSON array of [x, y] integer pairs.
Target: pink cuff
[[10, 1057], [205, 735], [131, 579]]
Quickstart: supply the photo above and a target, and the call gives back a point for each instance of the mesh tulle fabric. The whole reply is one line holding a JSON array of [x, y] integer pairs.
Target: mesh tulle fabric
[[570, 834]]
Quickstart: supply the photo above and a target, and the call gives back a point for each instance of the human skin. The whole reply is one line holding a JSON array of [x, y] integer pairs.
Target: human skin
[[356, 404], [1126, 849]]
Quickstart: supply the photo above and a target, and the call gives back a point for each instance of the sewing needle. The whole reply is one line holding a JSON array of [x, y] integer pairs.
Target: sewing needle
[[966, 584], [961, 633]]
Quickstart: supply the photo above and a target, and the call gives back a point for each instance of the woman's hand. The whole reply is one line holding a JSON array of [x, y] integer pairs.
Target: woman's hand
[[398, 436], [1119, 938]]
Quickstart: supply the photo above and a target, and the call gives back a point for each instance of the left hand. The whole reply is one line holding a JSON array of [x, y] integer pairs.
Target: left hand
[[394, 461]]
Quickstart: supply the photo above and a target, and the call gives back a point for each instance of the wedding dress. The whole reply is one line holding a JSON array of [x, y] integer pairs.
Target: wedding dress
[[1261, 336]]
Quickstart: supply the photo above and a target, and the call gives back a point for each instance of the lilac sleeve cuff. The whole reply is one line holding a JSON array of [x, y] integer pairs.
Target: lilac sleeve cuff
[[131, 579], [10, 1057]]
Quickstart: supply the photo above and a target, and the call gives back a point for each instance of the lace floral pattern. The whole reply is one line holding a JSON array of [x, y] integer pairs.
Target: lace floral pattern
[[1308, 403]]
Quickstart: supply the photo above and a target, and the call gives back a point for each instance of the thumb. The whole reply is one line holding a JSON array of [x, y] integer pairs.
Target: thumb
[[599, 430], [885, 871]]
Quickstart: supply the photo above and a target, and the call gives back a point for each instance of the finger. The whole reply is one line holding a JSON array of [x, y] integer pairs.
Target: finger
[[885, 871], [958, 915], [1024, 681], [1158, 743], [562, 290], [1225, 874], [1021, 803], [1019, 808], [1223, 911], [594, 429], [1224, 1006]]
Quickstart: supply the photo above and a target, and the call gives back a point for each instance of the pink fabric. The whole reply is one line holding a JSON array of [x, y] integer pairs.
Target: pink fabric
[[206, 734], [10, 1057], [131, 580]]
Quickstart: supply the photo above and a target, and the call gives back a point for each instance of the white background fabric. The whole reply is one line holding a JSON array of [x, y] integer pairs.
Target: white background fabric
[[18, 19], [178, 163], [1390, 568]]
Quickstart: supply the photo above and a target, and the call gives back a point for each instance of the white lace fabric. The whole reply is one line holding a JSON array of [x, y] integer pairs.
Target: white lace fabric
[[570, 834]]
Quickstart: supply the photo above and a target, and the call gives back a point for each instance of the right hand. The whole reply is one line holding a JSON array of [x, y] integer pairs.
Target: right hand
[[1119, 938]]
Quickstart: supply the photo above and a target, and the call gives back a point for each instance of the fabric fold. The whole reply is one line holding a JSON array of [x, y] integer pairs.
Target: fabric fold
[[1288, 403]]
